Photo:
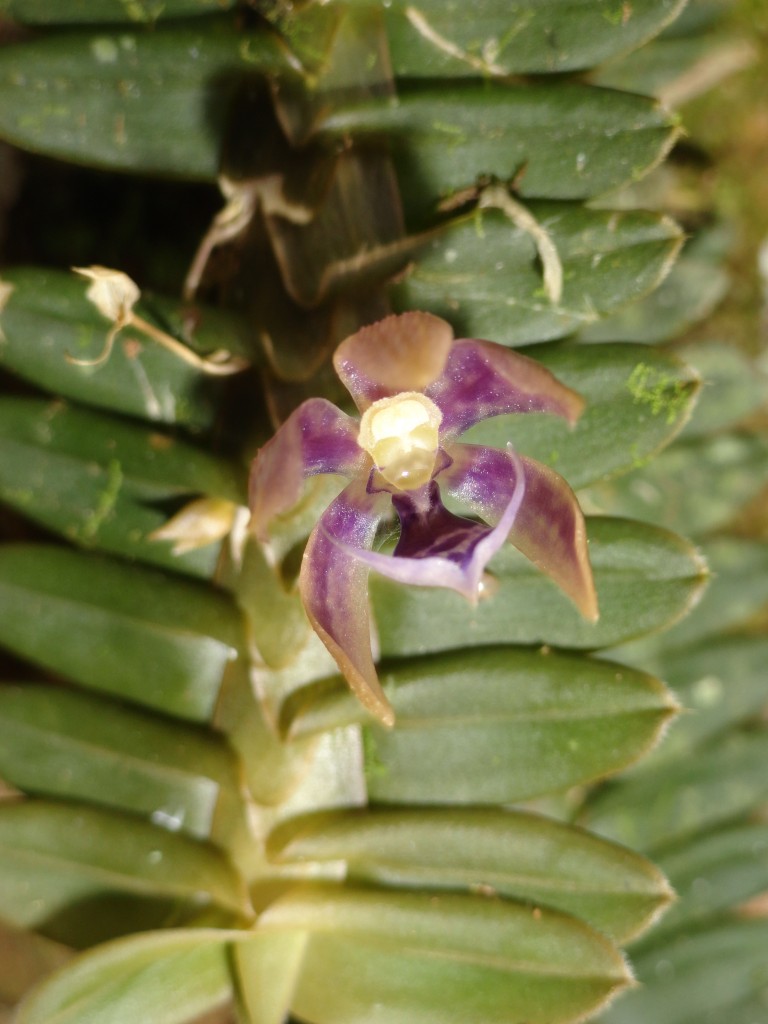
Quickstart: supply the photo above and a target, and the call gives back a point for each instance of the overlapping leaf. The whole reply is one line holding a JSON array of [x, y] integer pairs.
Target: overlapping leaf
[[103, 482], [726, 780], [53, 12], [473, 726], [455, 957], [713, 873], [481, 272], [126, 631], [75, 746], [73, 872], [698, 485], [163, 978], [704, 977], [569, 142], [154, 102], [430, 38], [514, 854], [480, 724], [48, 321]]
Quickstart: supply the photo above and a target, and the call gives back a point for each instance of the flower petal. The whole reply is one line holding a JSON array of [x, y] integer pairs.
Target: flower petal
[[333, 584], [399, 353], [483, 379], [439, 549], [549, 528], [316, 438]]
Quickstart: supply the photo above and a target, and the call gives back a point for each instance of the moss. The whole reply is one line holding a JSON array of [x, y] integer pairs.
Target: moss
[[662, 393]]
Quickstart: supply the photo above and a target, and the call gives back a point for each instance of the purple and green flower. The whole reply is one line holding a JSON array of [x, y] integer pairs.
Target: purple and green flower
[[418, 390]]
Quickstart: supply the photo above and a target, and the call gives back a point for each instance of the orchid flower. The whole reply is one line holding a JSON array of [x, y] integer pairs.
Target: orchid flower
[[417, 390]]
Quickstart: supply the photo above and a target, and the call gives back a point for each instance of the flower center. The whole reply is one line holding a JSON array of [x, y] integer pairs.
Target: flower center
[[401, 436]]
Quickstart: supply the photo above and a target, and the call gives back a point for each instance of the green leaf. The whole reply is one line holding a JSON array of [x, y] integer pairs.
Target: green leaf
[[697, 485], [699, 977], [694, 287], [153, 102], [513, 854], [58, 12], [96, 479], [738, 591], [735, 387], [638, 419], [482, 272], [646, 579], [117, 628], [81, 874], [48, 319], [712, 873], [431, 38], [660, 806], [572, 141], [480, 724], [445, 958], [721, 681], [71, 745], [153, 464], [676, 68], [171, 977]]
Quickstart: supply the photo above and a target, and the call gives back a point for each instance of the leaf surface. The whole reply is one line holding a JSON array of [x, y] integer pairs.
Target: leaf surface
[[59, 861], [702, 978], [482, 272], [658, 807], [713, 873], [566, 141], [149, 102], [480, 725], [102, 482], [48, 319], [514, 854], [120, 629], [721, 682], [430, 38], [59, 12], [168, 977], [696, 486], [76, 746], [447, 958]]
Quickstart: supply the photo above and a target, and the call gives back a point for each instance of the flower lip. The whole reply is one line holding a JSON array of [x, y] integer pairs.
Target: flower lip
[[401, 434]]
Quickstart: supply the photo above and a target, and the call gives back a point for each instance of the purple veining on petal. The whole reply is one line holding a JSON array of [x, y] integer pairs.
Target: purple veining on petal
[[316, 438], [439, 549], [396, 354], [549, 528], [428, 529], [334, 588], [483, 379]]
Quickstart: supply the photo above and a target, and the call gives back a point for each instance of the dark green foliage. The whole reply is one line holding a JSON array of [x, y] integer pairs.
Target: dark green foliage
[[190, 766]]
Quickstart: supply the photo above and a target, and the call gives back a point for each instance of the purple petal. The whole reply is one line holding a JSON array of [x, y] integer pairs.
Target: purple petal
[[549, 528], [334, 588], [399, 353], [316, 438], [482, 379], [439, 549]]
